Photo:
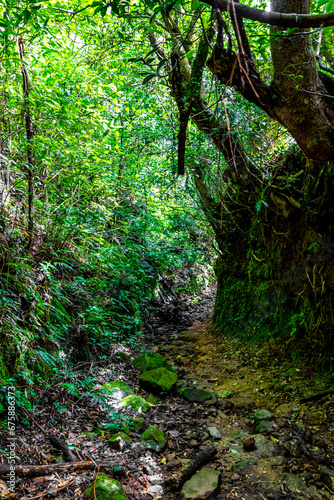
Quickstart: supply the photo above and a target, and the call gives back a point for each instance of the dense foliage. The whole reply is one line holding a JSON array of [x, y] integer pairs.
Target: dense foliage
[[109, 217], [102, 104]]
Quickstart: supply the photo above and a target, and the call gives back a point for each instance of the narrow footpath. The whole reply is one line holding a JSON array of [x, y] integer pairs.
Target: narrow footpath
[[227, 421]]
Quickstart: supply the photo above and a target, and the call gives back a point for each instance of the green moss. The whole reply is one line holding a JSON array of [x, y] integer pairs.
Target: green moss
[[138, 424], [154, 438], [158, 381], [105, 488], [150, 360], [118, 385], [152, 399], [136, 402], [118, 440], [249, 304]]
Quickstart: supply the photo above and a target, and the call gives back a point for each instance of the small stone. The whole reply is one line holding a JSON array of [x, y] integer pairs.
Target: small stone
[[249, 444], [197, 395], [261, 415], [214, 432], [104, 488], [52, 492], [118, 389], [235, 477], [204, 484], [119, 441], [209, 402], [147, 470], [153, 438], [150, 360], [173, 463], [265, 427], [155, 479], [193, 443], [137, 403], [138, 448], [158, 380], [138, 424], [155, 490]]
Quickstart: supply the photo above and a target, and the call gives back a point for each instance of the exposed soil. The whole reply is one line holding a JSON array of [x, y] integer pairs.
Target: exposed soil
[[289, 456]]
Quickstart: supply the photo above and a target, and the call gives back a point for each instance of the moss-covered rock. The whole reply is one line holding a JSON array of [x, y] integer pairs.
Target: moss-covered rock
[[139, 424], [119, 441], [158, 380], [262, 416], [154, 438], [106, 488], [150, 360], [152, 399], [118, 386], [197, 395], [137, 403]]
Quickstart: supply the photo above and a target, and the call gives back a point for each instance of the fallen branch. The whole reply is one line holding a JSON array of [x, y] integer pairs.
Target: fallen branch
[[200, 459], [55, 441], [317, 396], [46, 470], [60, 445]]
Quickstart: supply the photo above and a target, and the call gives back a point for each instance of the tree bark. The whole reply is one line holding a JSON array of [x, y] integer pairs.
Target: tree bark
[[272, 18], [299, 98]]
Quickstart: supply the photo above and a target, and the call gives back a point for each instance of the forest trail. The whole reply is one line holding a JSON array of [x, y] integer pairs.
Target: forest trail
[[268, 444]]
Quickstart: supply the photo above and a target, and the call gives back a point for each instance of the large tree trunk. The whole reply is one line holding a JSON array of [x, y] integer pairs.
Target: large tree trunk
[[303, 108], [273, 228]]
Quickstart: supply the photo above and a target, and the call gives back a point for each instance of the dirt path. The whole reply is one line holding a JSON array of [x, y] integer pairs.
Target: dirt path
[[292, 442], [285, 450]]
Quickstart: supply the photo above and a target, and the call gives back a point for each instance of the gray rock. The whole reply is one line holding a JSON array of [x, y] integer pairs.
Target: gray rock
[[147, 470], [150, 360], [265, 427], [261, 415], [153, 438], [204, 484], [155, 490], [155, 479], [105, 487], [158, 380], [197, 395], [265, 447], [214, 432], [119, 441]]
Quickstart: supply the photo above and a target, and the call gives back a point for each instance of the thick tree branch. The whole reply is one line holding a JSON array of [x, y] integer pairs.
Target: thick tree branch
[[275, 18]]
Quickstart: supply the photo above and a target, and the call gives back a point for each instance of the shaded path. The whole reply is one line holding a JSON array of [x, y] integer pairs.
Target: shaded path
[[279, 454]]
